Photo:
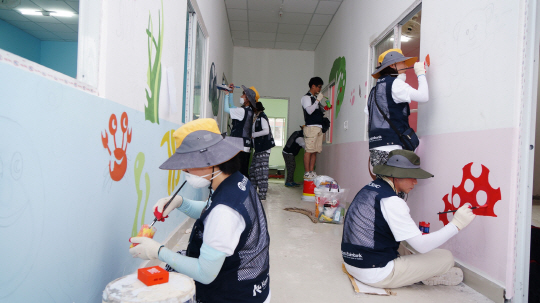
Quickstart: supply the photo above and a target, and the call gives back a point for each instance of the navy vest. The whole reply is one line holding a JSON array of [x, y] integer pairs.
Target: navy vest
[[263, 143], [367, 239], [244, 276], [242, 129], [380, 132], [316, 116], [292, 147]]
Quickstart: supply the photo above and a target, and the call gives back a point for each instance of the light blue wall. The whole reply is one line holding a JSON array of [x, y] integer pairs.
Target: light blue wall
[[64, 224], [60, 56], [19, 42]]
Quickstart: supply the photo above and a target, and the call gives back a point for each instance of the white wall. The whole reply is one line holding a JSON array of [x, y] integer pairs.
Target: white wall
[[276, 73], [125, 50]]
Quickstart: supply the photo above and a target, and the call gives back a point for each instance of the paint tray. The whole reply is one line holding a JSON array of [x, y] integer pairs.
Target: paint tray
[[153, 275]]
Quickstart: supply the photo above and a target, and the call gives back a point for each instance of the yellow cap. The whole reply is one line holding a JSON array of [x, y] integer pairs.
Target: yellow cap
[[256, 93], [408, 61], [207, 124]]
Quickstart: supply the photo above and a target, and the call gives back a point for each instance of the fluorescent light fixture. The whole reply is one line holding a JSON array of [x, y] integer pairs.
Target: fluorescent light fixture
[[403, 38], [32, 12]]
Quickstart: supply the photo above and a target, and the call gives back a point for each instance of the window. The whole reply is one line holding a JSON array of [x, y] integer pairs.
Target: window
[[277, 127], [408, 29], [44, 32], [194, 66]]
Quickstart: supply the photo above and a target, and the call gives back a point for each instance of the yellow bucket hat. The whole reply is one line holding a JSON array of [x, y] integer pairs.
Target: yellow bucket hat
[[199, 143], [389, 57]]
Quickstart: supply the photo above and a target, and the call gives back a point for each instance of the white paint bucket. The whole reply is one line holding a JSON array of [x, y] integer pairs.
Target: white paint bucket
[[179, 289]]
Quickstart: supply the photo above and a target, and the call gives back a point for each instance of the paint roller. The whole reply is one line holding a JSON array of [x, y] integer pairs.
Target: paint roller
[[164, 207]]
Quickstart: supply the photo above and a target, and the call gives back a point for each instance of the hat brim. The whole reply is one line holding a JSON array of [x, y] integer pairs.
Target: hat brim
[[249, 99], [397, 172], [216, 154], [409, 61]]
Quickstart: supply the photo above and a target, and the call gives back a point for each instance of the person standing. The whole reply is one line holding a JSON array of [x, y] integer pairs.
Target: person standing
[[392, 95], [378, 219], [313, 117], [290, 150], [242, 120], [263, 141]]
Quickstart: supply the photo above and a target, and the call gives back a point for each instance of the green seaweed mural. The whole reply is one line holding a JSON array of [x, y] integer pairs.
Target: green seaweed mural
[[139, 165], [339, 74], [153, 74]]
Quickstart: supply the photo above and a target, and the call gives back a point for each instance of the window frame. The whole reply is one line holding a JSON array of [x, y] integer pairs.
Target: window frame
[[394, 28]]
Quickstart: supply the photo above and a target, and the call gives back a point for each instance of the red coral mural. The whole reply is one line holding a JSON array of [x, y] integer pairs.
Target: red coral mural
[[120, 160], [480, 184]]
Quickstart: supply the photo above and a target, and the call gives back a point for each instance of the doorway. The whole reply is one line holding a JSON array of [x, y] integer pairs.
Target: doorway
[[277, 110]]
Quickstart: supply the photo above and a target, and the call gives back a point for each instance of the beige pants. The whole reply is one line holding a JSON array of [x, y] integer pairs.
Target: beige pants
[[313, 137], [415, 268]]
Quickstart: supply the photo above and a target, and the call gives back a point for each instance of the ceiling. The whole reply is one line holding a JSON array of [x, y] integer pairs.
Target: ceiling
[[300, 26], [46, 28]]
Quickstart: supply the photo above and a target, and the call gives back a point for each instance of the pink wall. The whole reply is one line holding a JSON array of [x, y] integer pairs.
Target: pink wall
[[485, 244]]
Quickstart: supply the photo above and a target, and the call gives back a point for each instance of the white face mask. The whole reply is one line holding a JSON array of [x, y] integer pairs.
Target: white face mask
[[402, 77], [241, 101], [200, 181]]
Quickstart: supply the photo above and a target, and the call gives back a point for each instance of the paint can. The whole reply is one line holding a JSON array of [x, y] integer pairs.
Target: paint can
[[308, 194], [180, 288], [421, 226], [426, 227]]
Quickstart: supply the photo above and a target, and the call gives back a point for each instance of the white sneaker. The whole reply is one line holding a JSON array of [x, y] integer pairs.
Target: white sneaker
[[307, 175], [313, 174], [451, 278]]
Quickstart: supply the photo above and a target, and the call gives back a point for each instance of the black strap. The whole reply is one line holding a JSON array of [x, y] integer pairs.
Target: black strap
[[384, 116]]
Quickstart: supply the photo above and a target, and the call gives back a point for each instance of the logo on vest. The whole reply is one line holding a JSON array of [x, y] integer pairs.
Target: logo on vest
[[242, 184], [353, 256], [259, 288], [375, 138], [374, 185]]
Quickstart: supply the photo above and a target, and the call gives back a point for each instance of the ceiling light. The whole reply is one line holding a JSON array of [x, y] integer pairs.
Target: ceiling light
[[32, 12], [403, 38]]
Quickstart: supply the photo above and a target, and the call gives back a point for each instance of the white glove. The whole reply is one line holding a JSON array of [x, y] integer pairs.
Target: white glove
[[320, 97], [158, 208], [463, 217], [146, 250], [420, 68]]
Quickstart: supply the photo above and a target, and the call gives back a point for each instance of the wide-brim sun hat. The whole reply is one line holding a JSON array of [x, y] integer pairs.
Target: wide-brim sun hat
[[402, 164], [252, 94], [199, 144], [389, 57]]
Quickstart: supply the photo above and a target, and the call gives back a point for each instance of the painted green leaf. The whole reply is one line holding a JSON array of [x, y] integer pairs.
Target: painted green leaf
[[153, 74], [339, 74]]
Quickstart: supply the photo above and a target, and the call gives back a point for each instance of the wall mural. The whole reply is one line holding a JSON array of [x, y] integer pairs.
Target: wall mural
[[21, 204], [174, 175], [339, 74], [153, 75], [138, 168], [476, 191], [119, 169], [213, 93]]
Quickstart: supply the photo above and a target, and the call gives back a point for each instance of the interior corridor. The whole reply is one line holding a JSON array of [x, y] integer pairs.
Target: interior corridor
[[305, 260]]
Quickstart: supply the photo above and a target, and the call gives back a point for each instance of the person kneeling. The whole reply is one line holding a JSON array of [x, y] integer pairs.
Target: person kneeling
[[378, 220]]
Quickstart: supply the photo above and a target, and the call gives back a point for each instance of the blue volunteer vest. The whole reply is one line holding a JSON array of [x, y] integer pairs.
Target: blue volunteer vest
[[242, 129], [263, 143], [244, 276], [291, 147], [380, 132], [367, 239], [316, 116]]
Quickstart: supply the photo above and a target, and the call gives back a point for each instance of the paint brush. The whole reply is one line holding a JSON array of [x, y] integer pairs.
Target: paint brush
[[164, 207], [453, 211]]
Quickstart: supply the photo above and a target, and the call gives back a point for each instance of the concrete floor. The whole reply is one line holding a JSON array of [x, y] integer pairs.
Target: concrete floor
[[305, 260]]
